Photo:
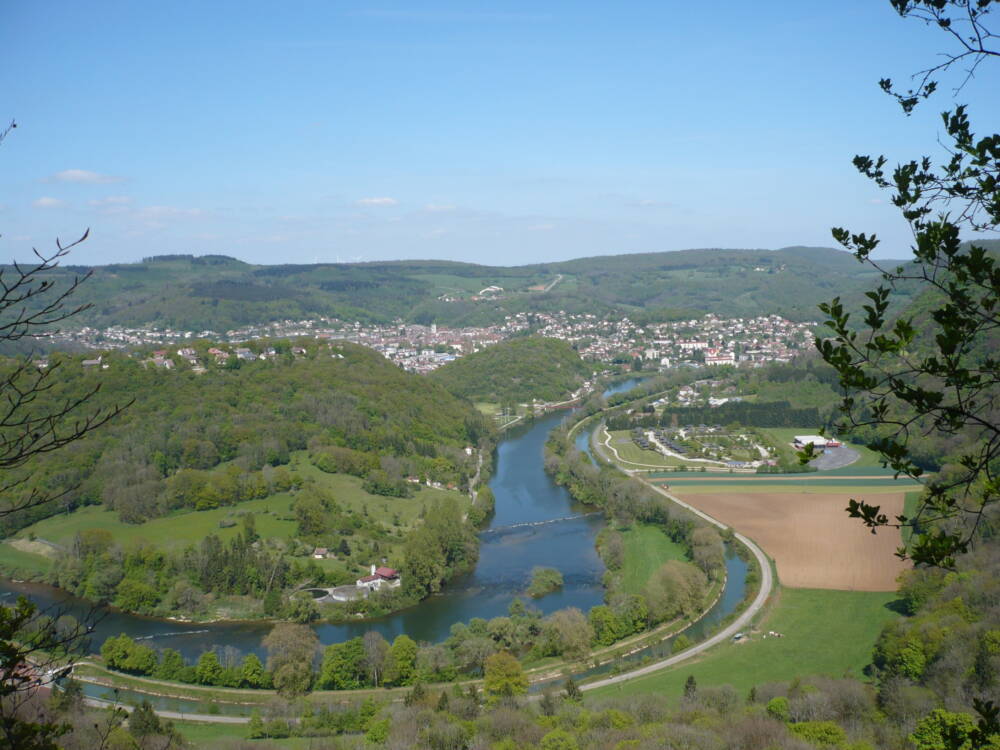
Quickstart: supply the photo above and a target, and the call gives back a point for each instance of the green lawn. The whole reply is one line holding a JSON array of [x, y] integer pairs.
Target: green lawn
[[825, 633], [646, 549]]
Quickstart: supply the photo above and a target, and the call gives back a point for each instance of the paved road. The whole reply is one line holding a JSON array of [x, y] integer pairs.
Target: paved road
[[177, 715], [741, 622], [835, 458], [766, 585]]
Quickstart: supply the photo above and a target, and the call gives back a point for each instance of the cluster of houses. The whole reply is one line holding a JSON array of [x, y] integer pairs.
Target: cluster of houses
[[704, 342], [708, 341], [648, 440]]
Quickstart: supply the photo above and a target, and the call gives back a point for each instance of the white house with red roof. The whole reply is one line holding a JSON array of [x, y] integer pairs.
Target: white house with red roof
[[380, 578]]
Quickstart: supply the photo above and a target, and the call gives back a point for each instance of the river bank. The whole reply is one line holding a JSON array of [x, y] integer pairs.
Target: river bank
[[656, 644], [524, 451]]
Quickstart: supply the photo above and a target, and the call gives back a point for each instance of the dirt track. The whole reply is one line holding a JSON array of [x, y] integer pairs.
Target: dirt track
[[813, 542]]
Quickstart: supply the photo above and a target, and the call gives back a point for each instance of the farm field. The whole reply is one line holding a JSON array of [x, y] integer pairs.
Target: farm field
[[812, 540], [832, 632], [646, 549]]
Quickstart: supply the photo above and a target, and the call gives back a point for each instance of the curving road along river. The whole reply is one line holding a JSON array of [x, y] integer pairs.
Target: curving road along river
[[766, 585], [529, 528]]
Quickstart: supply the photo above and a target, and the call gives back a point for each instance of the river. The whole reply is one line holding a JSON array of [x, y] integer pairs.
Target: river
[[536, 522], [524, 495]]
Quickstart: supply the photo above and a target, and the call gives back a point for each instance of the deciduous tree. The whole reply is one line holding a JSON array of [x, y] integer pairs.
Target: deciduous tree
[[504, 677], [31, 305], [930, 372]]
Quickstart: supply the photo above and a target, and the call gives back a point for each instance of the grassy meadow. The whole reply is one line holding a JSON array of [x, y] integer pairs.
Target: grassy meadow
[[824, 633], [273, 516], [646, 549]]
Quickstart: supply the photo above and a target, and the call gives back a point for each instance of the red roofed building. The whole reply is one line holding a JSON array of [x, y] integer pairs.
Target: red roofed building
[[380, 578]]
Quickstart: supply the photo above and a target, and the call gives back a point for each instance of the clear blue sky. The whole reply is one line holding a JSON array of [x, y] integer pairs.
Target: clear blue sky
[[503, 132]]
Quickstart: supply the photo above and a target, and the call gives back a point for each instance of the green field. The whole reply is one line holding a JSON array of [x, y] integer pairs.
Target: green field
[[174, 531], [222, 735], [273, 516], [20, 564], [621, 441], [824, 633], [646, 549], [761, 483], [347, 491]]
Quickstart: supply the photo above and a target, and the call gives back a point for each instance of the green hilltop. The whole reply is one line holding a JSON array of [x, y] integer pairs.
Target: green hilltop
[[216, 292], [515, 371]]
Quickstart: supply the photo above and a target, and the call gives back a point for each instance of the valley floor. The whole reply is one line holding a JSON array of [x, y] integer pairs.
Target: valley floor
[[823, 632]]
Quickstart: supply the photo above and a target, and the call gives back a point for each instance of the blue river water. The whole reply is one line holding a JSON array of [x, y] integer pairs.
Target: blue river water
[[536, 522]]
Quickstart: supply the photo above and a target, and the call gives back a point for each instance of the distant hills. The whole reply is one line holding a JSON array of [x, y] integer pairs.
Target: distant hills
[[216, 292]]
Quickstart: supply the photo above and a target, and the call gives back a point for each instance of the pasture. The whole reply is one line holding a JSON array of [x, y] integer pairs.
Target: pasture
[[823, 632], [646, 549]]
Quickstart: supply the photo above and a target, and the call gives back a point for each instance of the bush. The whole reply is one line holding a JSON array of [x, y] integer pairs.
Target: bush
[[544, 581]]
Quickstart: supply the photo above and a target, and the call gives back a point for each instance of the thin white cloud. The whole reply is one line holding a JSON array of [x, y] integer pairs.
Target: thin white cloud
[[162, 212], [647, 203], [83, 176], [541, 227], [112, 203], [112, 200], [377, 202], [47, 202], [439, 208]]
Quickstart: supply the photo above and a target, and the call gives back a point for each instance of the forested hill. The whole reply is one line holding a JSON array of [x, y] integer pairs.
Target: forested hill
[[199, 441], [215, 292], [515, 372]]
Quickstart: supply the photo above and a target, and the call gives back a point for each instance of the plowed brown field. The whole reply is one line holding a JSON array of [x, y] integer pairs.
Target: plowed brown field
[[810, 537]]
